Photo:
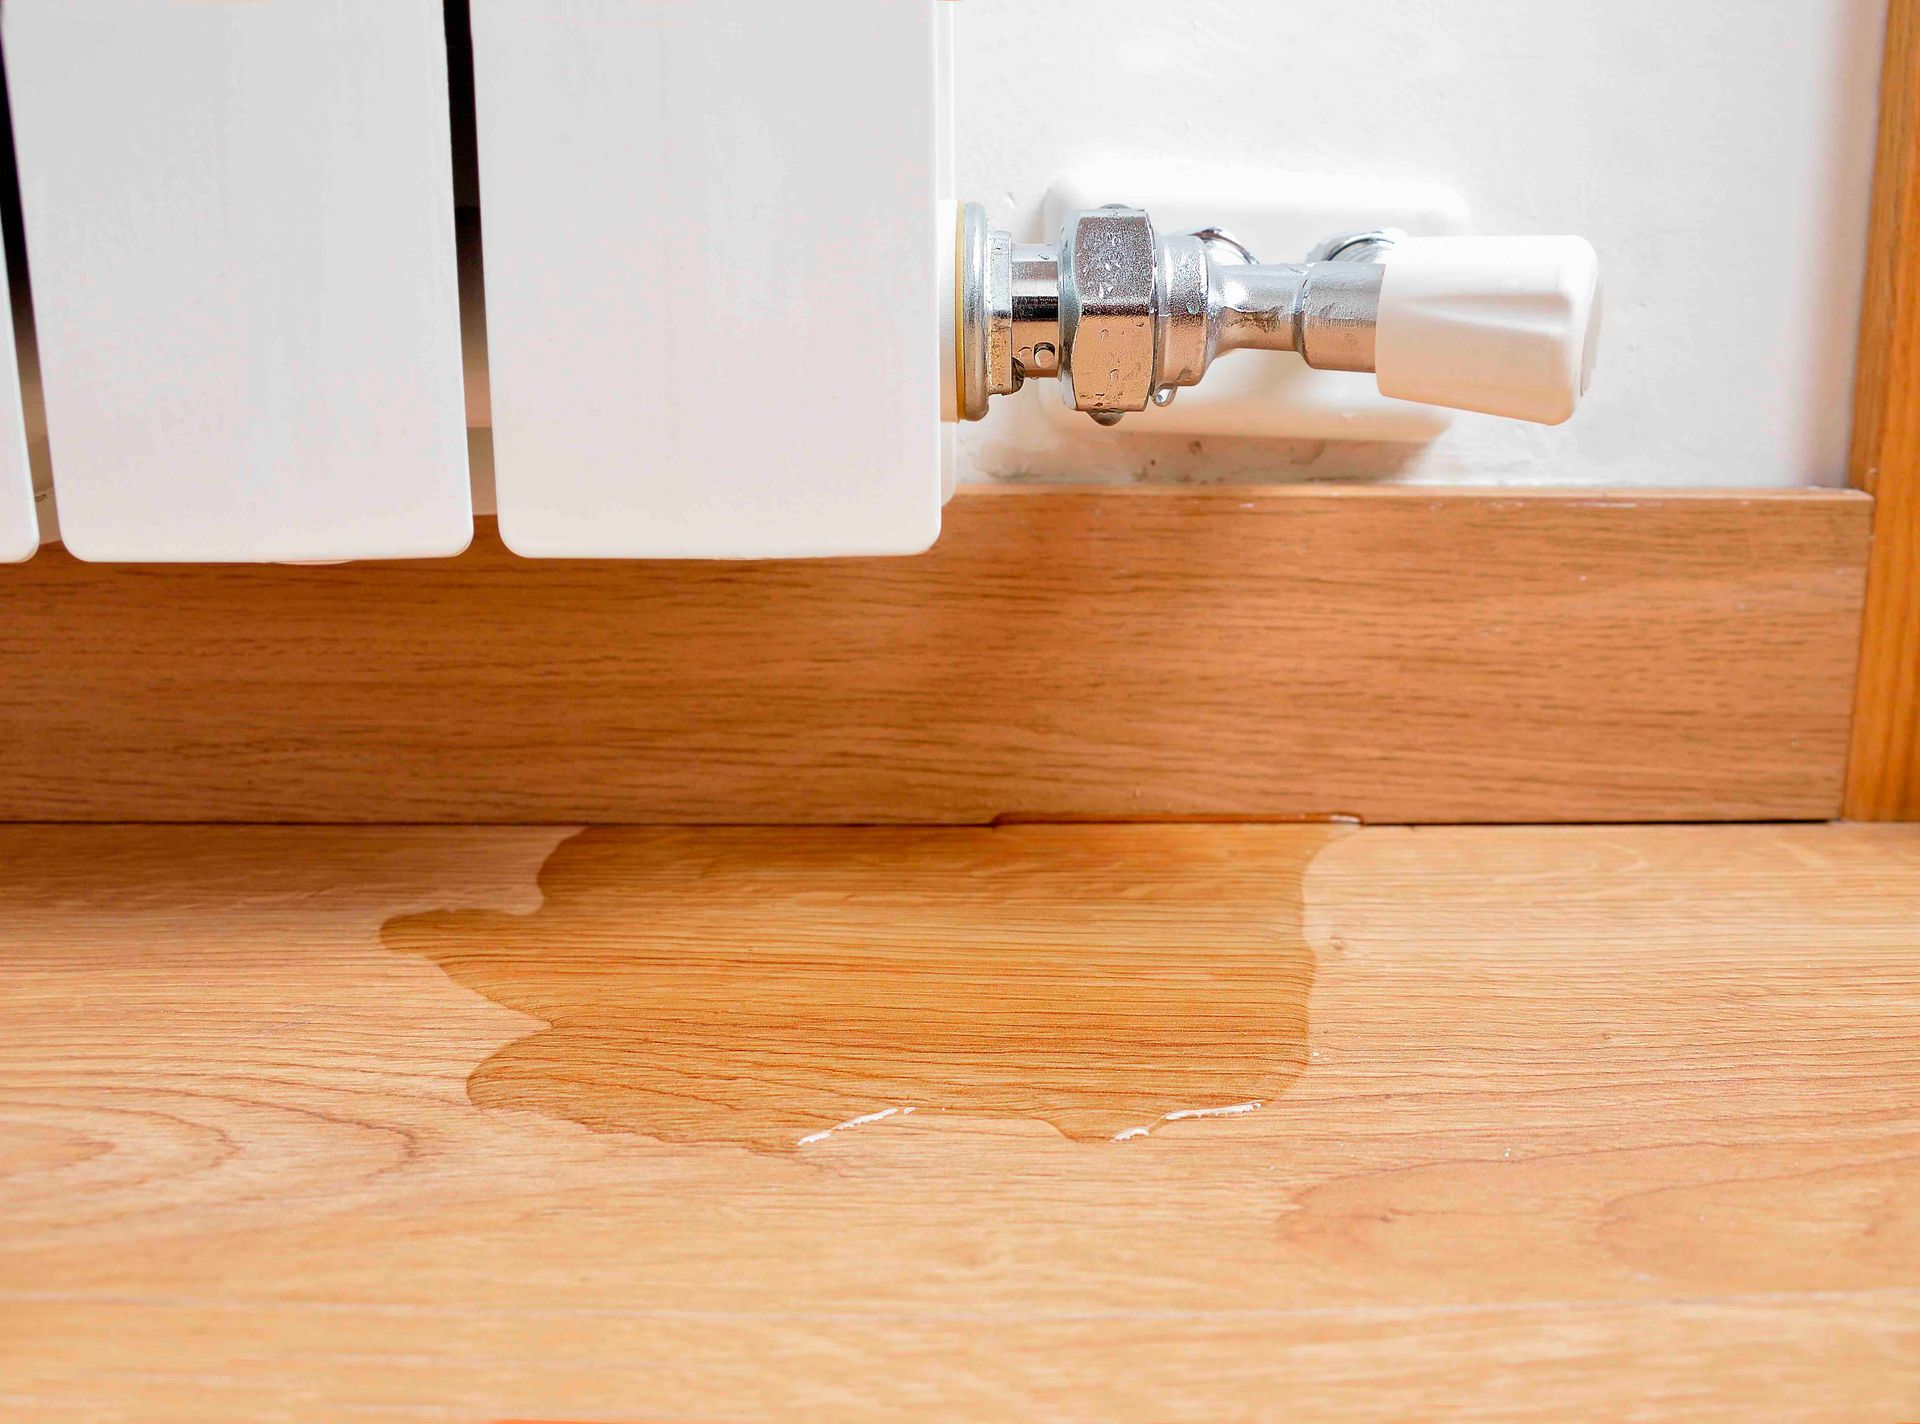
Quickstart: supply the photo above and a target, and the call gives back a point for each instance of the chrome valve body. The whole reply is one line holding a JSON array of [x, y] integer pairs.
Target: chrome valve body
[[1124, 317]]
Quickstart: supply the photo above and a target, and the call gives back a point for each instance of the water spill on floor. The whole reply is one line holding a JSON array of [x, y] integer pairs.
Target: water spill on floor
[[788, 989]]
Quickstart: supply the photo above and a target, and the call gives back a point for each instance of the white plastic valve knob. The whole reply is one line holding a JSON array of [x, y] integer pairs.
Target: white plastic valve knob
[[1502, 325]]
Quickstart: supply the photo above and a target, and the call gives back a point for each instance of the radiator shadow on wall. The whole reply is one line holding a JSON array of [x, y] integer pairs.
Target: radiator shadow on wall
[[466, 198]]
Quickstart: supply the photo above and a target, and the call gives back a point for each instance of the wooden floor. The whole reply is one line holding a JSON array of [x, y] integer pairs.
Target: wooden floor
[[1101, 1123]]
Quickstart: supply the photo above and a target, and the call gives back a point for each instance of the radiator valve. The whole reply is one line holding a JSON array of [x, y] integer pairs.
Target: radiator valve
[[1124, 317]]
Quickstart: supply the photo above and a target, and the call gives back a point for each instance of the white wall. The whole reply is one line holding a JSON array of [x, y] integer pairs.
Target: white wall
[[1718, 153]]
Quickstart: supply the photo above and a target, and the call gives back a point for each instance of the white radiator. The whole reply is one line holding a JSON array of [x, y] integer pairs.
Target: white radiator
[[730, 307], [706, 227]]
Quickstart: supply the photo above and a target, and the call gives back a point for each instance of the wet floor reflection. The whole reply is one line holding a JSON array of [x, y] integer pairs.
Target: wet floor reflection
[[785, 989]]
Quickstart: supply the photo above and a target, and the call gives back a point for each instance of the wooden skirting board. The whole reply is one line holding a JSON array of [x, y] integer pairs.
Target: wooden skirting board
[[1090, 1124], [1393, 655]]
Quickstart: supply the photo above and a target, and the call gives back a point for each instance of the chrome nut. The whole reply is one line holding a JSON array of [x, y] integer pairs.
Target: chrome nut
[[1003, 376], [1185, 314], [1107, 310]]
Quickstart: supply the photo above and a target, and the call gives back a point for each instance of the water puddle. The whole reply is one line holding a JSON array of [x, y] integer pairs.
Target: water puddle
[[786, 990]]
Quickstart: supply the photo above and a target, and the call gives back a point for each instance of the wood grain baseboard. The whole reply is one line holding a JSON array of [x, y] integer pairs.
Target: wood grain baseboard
[[1400, 655]]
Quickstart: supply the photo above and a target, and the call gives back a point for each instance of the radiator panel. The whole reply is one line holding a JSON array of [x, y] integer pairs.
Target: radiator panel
[[240, 220], [710, 275]]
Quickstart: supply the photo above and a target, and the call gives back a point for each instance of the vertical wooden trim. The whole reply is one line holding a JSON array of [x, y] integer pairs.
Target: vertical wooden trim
[[1883, 774]]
